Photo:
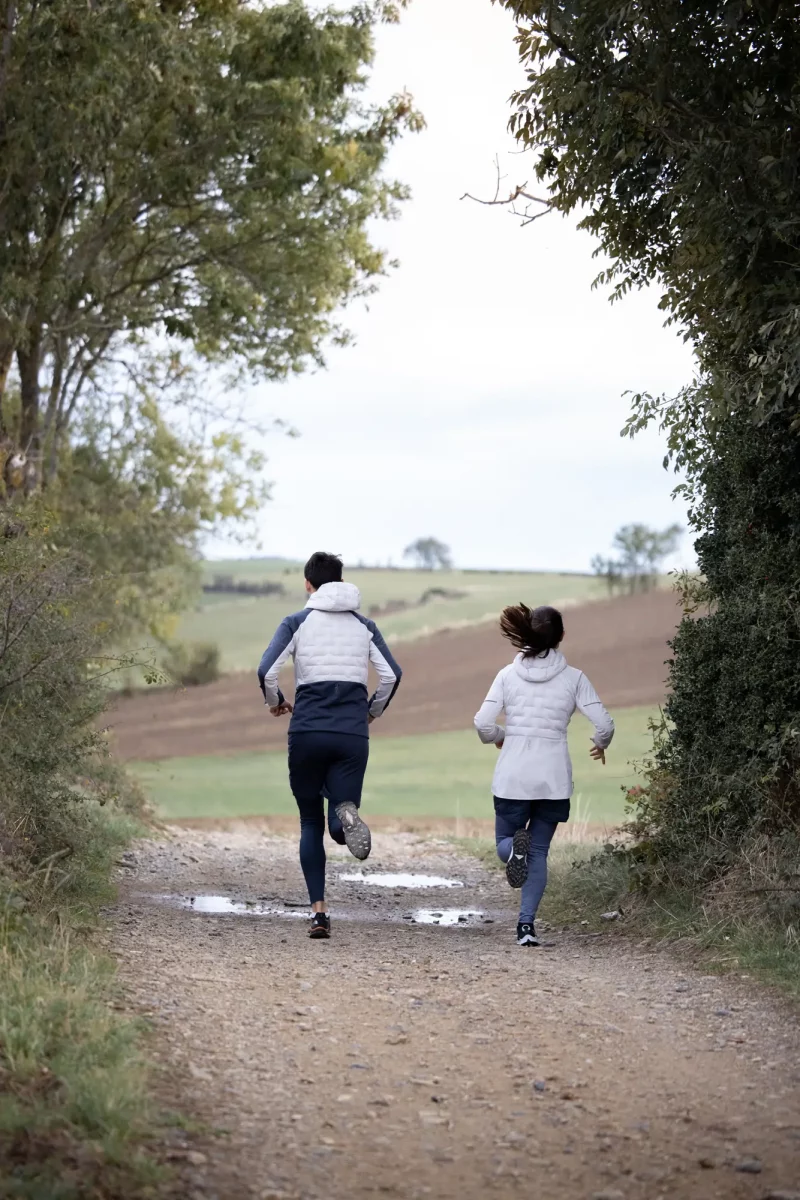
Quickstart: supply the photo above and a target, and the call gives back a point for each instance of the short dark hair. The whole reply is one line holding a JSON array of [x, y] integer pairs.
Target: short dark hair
[[534, 631], [323, 568]]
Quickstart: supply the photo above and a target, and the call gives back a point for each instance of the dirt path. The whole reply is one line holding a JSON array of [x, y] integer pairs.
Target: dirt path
[[409, 1060]]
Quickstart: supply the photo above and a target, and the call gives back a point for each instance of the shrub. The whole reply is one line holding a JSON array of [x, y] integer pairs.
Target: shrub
[[54, 632], [725, 764], [193, 665], [74, 1112]]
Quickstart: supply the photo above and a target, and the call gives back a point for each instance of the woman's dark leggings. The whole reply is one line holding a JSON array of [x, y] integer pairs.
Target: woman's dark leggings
[[324, 765], [541, 819]]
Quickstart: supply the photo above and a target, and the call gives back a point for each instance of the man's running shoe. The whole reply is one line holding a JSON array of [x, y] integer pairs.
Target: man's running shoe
[[320, 926], [517, 865], [526, 934], [356, 834]]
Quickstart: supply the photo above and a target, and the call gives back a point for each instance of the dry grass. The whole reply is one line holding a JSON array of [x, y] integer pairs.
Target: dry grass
[[748, 922], [74, 1112]]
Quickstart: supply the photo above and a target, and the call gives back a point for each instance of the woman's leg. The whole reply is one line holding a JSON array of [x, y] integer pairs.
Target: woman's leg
[[541, 835], [509, 816]]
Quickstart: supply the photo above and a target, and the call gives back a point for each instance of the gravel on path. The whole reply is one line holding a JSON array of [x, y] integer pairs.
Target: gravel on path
[[410, 1059]]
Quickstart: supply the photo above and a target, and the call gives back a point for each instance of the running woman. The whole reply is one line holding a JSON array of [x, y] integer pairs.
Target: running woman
[[332, 645], [532, 783]]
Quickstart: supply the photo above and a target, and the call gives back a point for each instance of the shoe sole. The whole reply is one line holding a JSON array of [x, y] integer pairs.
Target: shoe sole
[[528, 941], [317, 935], [357, 836], [517, 865]]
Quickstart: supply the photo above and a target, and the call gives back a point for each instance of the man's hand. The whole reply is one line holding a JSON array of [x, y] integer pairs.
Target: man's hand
[[499, 745], [370, 719], [598, 754], [281, 710]]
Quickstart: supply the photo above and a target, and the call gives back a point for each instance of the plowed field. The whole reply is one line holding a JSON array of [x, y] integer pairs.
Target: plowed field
[[620, 644]]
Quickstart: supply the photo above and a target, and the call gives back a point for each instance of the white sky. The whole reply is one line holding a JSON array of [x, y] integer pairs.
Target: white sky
[[483, 399]]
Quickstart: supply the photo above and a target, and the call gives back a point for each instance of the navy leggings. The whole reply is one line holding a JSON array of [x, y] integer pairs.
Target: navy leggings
[[541, 818], [324, 765]]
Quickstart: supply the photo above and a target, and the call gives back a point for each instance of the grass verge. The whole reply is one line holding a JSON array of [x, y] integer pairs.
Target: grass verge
[[717, 929], [75, 1118], [437, 775]]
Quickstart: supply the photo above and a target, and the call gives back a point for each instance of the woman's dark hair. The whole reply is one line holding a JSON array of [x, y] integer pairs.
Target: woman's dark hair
[[323, 568], [533, 631]]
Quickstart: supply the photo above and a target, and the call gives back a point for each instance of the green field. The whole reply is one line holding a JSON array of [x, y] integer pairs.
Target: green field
[[440, 775], [243, 625]]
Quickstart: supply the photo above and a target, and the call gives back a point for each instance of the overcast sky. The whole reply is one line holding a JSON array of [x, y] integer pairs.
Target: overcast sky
[[483, 399]]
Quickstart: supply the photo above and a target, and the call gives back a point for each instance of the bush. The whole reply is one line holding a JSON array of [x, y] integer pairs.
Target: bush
[[193, 665], [73, 1107], [725, 765], [54, 663]]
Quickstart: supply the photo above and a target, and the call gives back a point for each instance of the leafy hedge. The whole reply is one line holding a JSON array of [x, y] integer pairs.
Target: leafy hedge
[[726, 763]]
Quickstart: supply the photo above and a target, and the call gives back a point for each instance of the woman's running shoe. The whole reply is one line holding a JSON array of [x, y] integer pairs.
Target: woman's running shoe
[[357, 836], [320, 926], [526, 934], [517, 865]]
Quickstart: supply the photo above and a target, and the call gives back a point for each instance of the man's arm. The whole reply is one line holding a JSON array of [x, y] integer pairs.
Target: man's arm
[[275, 655], [389, 674]]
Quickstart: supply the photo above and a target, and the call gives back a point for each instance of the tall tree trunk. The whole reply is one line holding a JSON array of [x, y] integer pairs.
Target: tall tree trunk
[[30, 432], [8, 20], [6, 359]]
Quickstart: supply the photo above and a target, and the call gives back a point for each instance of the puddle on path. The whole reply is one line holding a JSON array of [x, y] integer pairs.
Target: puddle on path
[[446, 916], [380, 879], [220, 906]]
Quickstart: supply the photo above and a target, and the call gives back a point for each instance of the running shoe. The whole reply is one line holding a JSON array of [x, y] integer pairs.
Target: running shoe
[[526, 934], [356, 834], [320, 926], [517, 865]]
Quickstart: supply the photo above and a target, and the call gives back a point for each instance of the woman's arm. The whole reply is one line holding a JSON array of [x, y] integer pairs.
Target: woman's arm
[[489, 731], [590, 704]]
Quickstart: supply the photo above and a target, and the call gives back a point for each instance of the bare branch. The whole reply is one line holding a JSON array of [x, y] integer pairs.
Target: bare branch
[[511, 201]]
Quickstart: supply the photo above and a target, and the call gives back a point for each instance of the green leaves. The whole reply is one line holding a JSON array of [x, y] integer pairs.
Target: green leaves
[[675, 125], [204, 171]]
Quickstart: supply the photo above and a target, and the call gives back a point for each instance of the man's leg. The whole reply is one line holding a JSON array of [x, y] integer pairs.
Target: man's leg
[[511, 837], [335, 826], [306, 777], [344, 783], [541, 835]]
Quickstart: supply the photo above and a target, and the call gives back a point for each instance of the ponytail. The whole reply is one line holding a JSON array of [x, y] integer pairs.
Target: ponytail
[[533, 631]]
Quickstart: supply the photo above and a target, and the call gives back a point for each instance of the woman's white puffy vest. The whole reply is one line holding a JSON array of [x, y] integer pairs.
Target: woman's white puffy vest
[[539, 696]]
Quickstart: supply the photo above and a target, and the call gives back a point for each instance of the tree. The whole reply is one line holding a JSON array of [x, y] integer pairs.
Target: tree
[[673, 129], [429, 553], [192, 176], [641, 553]]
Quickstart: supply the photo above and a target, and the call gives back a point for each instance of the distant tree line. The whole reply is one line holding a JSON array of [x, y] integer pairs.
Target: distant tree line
[[229, 585]]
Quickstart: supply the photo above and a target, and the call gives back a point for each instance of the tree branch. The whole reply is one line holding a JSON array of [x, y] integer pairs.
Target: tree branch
[[520, 192]]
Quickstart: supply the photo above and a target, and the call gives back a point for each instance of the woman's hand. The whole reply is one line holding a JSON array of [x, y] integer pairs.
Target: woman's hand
[[499, 745], [598, 754], [280, 710]]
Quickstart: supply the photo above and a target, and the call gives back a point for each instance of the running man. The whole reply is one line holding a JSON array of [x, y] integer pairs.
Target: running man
[[332, 645]]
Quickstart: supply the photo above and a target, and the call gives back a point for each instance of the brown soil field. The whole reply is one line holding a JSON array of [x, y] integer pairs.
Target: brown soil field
[[620, 644]]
